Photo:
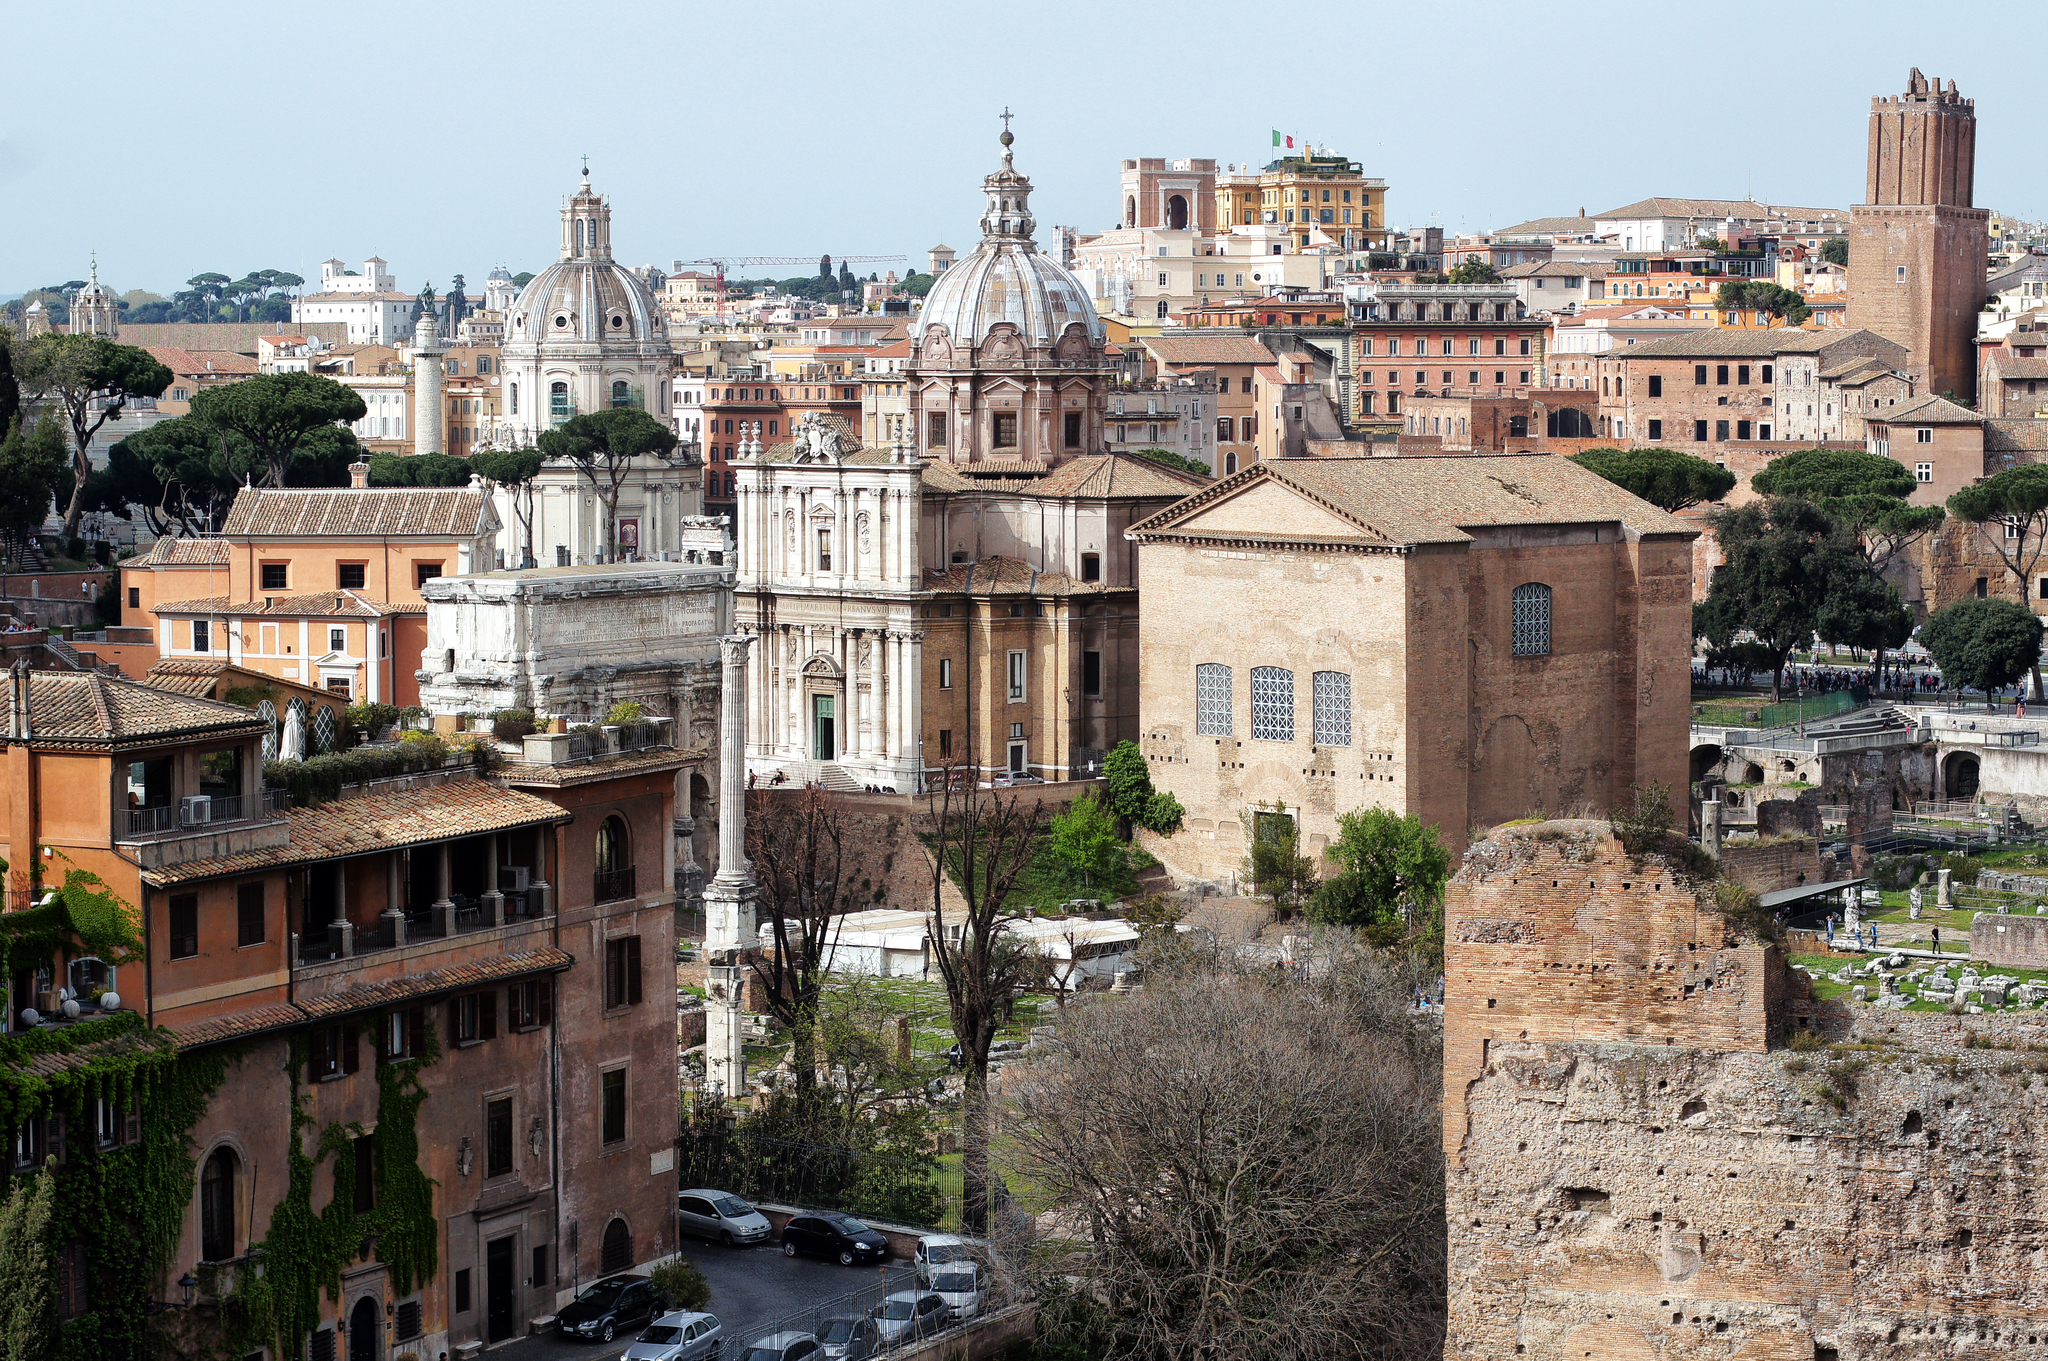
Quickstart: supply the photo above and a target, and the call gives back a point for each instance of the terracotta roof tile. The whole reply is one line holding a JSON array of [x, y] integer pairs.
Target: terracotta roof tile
[[1179, 350], [1117, 475], [1716, 342], [323, 604], [1007, 576], [415, 512], [475, 974], [186, 553], [2015, 435], [1930, 410], [239, 1024], [47, 1065], [2010, 368], [599, 768], [200, 363], [92, 707], [378, 822]]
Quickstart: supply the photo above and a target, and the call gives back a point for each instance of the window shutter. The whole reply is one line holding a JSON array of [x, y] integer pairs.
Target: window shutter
[[351, 1043], [633, 970], [544, 991], [487, 1016], [416, 1032], [611, 973]]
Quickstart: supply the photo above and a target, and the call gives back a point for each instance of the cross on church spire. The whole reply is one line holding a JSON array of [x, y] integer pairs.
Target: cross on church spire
[[1007, 115]]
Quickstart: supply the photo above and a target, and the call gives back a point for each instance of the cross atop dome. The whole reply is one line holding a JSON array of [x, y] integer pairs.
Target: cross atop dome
[[1007, 218]]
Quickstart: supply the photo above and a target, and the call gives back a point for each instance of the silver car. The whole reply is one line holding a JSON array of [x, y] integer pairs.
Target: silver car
[[784, 1347], [852, 1337], [909, 1315], [959, 1285], [721, 1217], [677, 1337]]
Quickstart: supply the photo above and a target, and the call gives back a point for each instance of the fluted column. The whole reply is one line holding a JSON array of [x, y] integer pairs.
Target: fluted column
[[733, 868], [729, 898]]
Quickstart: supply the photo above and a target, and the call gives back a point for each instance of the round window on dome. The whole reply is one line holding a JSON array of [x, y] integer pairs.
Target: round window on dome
[[617, 322], [561, 321]]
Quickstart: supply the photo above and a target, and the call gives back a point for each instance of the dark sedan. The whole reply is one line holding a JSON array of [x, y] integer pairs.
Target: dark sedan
[[833, 1235], [608, 1307]]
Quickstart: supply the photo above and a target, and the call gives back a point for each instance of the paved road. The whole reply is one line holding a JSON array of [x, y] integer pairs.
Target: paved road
[[749, 1287]]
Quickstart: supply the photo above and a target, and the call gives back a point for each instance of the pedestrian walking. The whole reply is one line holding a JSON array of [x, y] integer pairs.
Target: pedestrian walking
[[1937, 940]]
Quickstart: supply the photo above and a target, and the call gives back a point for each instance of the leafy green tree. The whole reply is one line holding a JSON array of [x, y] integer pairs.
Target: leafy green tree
[[1782, 559], [847, 283], [10, 387], [2018, 500], [33, 471], [28, 1297], [1983, 644], [178, 473], [514, 470], [825, 268], [1275, 864], [680, 1285], [1663, 477], [1762, 295], [1393, 872], [602, 445], [93, 380], [522, 278], [1084, 839], [419, 470], [1169, 459], [917, 285], [1473, 272], [1131, 796], [277, 413], [1835, 250]]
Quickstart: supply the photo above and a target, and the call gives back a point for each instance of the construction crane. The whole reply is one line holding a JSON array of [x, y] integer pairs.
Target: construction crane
[[721, 263]]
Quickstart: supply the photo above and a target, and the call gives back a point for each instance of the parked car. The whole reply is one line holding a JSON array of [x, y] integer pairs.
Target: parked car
[[934, 1250], [784, 1347], [854, 1337], [909, 1315], [959, 1285], [722, 1217], [833, 1235], [680, 1336], [607, 1308]]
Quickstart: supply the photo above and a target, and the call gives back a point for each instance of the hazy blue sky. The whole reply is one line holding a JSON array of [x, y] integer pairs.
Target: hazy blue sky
[[179, 138]]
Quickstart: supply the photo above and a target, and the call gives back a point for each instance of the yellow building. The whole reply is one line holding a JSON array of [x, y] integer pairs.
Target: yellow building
[[1307, 194]]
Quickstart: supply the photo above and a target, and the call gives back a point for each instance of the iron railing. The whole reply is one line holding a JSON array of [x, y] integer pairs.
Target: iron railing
[[219, 808], [145, 821], [612, 885]]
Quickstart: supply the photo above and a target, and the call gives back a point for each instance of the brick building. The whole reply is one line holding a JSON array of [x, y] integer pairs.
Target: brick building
[[1411, 340], [1463, 638], [1916, 245], [1712, 387], [439, 1014]]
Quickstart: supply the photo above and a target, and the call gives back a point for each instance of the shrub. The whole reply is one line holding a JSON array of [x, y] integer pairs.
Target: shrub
[[1746, 912], [370, 719], [321, 778], [1642, 827], [1962, 869], [512, 724], [680, 1285], [625, 711]]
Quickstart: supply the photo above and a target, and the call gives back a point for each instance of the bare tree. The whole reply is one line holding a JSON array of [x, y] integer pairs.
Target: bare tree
[[981, 841], [814, 861], [1254, 1154]]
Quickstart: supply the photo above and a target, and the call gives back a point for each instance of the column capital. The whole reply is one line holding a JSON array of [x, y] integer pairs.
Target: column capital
[[732, 648]]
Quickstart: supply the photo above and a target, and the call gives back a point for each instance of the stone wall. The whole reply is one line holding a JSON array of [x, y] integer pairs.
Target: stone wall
[[1771, 865], [2009, 942], [1637, 1171]]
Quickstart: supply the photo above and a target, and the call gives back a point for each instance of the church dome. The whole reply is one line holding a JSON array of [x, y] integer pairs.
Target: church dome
[[1007, 278], [585, 298], [500, 273]]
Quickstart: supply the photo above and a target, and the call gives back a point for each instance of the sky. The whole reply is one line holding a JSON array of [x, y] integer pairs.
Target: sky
[[178, 139]]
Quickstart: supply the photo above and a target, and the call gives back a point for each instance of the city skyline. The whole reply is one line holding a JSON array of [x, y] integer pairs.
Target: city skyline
[[929, 102]]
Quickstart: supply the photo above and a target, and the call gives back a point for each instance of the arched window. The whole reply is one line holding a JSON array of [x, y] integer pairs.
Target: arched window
[[1532, 620], [620, 393], [617, 1252], [558, 400], [1331, 698], [514, 399], [217, 1206], [612, 851], [1212, 699], [1272, 704]]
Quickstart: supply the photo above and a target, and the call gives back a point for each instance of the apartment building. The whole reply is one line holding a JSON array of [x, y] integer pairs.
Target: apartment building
[[1716, 386]]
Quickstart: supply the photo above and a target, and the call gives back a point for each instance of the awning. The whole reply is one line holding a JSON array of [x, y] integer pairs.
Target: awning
[[1785, 896]]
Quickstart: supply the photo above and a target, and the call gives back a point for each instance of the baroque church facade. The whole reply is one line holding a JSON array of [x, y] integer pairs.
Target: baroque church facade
[[963, 601], [587, 334]]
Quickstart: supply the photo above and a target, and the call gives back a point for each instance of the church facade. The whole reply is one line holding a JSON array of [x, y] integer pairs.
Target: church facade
[[960, 600]]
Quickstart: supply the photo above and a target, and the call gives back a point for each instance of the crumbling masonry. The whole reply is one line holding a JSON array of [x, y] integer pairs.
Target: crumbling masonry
[[1640, 1167]]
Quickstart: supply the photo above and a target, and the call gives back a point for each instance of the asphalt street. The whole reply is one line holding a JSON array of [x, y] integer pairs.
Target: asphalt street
[[749, 1287]]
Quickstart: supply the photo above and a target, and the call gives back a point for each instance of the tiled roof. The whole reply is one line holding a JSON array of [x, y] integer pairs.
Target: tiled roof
[[416, 512], [200, 363], [939, 476], [2009, 368], [93, 707], [1930, 410], [47, 1065], [1550, 226], [378, 822], [2015, 435], [322, 604], [475, 974], [238, 1025], [1715, 342], [1553, 269], [1860, 369], [1179, 350], [169, 552], [599, 768], [1114, 475], [1748, 209], [1007, 576], [1434, 499]]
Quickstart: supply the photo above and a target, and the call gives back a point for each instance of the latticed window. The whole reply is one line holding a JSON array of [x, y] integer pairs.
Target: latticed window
[[1212, 699], [1532, 620], [1272, 704], [1333, 708]]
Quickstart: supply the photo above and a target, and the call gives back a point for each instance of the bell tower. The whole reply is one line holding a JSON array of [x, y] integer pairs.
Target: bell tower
[[1917, 245]]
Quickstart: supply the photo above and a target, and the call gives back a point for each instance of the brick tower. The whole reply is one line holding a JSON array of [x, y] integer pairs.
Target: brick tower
[[1916, 245]]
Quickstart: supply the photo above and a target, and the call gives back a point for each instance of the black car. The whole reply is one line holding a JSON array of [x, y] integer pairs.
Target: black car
[[608, 1307], [833, 1235]]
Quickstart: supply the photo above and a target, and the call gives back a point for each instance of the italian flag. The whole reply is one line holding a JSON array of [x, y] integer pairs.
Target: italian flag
[[1279, 141]]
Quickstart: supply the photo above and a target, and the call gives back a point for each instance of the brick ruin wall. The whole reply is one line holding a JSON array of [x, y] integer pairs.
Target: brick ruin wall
[[2009, 941], [1639, 1169]]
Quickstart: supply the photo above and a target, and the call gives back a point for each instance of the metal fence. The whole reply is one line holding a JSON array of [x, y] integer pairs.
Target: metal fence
[[1725, 713]]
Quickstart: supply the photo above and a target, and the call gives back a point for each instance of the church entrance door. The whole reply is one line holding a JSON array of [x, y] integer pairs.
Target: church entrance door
[[823, 747]]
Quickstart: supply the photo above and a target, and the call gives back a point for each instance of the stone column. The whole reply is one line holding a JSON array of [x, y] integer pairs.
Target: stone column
[[1941, 902], [1710, 827], [729, 898], [427, 416], [340, 932], [851, 744]]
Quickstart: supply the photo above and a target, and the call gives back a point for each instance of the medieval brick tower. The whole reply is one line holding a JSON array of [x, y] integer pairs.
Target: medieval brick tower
[[1916, 246]]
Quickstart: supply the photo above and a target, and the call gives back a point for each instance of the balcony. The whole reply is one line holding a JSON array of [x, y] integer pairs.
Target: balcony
[[609, 886], [459, 915], [200, 826]]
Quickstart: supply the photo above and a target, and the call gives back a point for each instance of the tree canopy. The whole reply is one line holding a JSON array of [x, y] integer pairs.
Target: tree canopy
[[917, 285], [1169, 459], [1861, 492], [1835, 250], [1783, 560], [1663, 477], [1761, 295], [276, 413], [419, 470], [1131, 795], [1983, 643], [602, 445], [514, 470], [1391, 881], [93, 380], [1473, 272], [33, 471]]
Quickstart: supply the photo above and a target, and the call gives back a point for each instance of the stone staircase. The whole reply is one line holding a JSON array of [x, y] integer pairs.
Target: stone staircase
[[827, 773]]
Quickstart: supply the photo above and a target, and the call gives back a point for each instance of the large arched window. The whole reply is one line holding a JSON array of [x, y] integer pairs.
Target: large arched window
[[217, 1206], [1532, 620], [617, 1252], [614, 861], [558, 400], [1331, 698], [621, 394], [1212, 699], [1272, 704]]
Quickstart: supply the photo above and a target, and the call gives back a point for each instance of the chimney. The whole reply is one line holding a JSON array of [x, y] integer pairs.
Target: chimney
[[358, 476], [17, 700]]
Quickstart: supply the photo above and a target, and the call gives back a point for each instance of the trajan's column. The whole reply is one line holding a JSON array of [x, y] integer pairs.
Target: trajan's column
[[427, 416], [729, 898]]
